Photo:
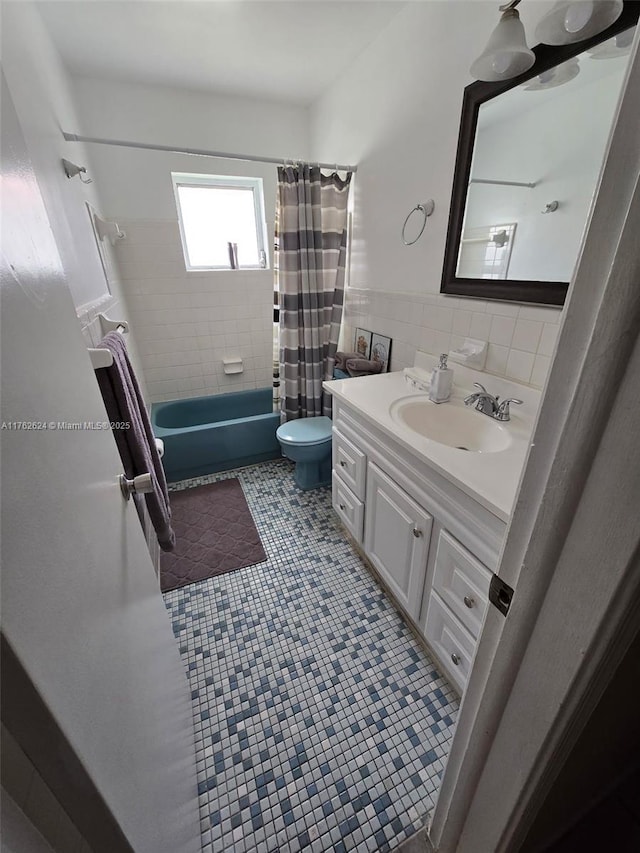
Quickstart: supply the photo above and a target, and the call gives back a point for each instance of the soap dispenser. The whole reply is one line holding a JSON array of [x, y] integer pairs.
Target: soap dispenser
[[441, 381]]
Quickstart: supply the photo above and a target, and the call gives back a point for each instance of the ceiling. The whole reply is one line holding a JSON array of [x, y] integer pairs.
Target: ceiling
[[284, 50]]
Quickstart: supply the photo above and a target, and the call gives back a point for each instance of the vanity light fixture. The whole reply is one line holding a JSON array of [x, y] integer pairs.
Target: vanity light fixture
[[506, 54], [575, 20]]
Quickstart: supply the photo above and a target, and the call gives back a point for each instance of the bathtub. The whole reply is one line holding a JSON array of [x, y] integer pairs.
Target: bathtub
[[202, 435]]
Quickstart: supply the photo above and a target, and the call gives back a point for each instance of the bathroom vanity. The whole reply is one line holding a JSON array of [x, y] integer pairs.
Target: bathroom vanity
[[430, 516]]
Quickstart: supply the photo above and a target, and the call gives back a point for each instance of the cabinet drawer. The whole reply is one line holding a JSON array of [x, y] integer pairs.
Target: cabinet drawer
[[462, 582], [348, 507], [452, 643], [349, 463]]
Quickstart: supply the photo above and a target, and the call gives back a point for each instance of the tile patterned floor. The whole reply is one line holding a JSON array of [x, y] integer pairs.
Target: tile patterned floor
[[321, 724]]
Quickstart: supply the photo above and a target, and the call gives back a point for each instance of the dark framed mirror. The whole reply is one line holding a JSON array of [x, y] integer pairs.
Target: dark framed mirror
[[530, 150]]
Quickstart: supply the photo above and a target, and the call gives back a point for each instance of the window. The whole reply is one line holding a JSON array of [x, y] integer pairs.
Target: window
[[222, 221]]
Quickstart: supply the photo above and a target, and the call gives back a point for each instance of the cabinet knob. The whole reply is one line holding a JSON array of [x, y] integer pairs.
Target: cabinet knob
[[470, 602], [343, 464], [417, 532], [455, 658], [342, 507]]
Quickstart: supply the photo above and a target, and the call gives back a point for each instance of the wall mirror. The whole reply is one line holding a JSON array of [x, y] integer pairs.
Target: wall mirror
[[529, 154]]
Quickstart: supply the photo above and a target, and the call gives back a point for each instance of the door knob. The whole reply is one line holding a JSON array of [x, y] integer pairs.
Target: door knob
[[140, 485]]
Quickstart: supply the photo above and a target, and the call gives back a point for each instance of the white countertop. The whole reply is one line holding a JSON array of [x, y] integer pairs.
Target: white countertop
[[490, 478]]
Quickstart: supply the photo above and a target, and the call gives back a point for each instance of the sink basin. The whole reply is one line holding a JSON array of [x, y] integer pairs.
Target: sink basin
[[454, 426]]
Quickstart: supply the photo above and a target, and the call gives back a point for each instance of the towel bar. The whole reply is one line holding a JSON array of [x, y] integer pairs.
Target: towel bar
[[102, 357]]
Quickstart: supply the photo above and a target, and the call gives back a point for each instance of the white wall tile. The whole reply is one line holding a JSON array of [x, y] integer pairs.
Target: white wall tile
[[461, 323], [541, 367], [182, 318], [518, 330], [540, 313], [548, 339], [443, 319], [526, 335], [502, 309], [501, 331], [442, 342], [520, 365], [497, 359], [480, 326]]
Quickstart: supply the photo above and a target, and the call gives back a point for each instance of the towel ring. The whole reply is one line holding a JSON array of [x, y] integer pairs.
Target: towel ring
[[426, 209]]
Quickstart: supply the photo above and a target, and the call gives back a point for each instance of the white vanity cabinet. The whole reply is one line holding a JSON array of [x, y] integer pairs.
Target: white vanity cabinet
[[396, 538], [455, 607], [348, 482], [432, 545]]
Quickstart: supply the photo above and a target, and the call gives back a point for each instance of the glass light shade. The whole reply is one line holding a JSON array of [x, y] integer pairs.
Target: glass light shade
[[575, 20], [578, 16], [506, 54], [555, 76]]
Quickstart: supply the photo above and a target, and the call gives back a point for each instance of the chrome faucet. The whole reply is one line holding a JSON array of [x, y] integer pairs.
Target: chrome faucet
[[482, 400], [490, 405]]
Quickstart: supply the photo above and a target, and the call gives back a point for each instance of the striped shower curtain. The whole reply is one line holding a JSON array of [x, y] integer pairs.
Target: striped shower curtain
[[312, 255]]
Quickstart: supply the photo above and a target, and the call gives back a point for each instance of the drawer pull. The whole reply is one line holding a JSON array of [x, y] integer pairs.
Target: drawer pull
[[342, 507], [343, 464], [455, 658], [417, 532], [470, 602]]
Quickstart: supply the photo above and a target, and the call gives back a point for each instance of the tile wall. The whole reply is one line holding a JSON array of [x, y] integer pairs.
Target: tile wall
[[187, 322], [521, 337]]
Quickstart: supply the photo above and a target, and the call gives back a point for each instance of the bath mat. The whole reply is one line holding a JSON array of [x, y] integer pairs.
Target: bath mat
[[215, 534]]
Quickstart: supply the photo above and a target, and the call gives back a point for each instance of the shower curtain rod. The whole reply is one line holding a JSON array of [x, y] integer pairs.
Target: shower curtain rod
[[199, 152]]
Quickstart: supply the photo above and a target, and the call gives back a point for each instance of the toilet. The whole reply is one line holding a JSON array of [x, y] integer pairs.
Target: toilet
[[307, 442]]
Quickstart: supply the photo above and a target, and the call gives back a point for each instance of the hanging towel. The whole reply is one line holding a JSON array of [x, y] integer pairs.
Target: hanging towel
[[137, 447]]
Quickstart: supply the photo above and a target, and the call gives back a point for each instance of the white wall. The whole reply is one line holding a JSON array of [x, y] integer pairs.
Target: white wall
[[44, 103], [186, 321], [137, 184], [396, 113]]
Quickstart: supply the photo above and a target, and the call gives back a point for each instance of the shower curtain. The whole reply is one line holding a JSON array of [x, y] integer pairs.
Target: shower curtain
[[311, 260]]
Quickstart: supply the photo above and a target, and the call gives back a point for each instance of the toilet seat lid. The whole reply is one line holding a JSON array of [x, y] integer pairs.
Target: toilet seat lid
[[305, 431]]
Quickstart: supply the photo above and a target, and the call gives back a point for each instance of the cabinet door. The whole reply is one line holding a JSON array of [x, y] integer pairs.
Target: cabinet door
[[397, 532]]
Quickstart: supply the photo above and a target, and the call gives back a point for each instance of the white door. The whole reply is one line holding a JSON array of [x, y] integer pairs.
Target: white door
[[396, 538], [81, 606]]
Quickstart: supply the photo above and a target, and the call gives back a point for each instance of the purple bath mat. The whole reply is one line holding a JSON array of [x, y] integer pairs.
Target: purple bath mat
[[215, 534]]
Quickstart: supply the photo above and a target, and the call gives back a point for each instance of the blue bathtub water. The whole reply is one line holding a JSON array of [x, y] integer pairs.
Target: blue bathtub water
[[206, 434]]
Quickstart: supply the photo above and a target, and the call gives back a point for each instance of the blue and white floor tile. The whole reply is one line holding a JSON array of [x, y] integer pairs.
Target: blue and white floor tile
[[321, 723]]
